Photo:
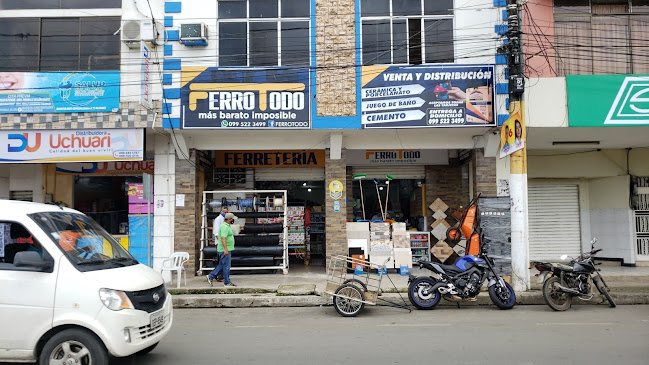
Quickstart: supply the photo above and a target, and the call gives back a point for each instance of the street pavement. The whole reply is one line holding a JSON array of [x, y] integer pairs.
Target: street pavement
[[529, 335], [305, 286]]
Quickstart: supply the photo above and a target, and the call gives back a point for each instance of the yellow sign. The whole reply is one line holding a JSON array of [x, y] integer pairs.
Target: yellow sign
[[512, 135], [336, 189]]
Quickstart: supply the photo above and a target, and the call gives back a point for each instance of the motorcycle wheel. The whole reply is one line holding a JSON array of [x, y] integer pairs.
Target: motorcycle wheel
[[419, 295], [602, 289], [503, 298], [351, 300], [554, 298]]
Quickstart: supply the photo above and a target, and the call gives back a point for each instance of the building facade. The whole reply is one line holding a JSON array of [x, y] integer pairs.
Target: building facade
[[588, 127]]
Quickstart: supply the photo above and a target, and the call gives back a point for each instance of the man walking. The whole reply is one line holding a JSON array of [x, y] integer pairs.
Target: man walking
[[224, 248], [215, 228]]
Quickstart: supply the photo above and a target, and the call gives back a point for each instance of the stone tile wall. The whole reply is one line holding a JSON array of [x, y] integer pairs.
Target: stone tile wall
[[131, 115], [336, 227], [335, 58], [485, 174]]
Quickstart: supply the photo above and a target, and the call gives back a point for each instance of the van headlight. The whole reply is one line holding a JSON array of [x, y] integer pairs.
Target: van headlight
[[115, 299]]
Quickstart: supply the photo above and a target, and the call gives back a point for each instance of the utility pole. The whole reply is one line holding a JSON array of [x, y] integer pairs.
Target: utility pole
[[518, 159]]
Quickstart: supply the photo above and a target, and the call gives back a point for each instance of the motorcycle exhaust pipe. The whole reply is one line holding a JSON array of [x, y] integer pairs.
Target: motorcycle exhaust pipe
[[568, 290]]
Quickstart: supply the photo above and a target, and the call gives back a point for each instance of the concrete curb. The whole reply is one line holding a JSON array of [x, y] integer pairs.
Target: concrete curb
[[273, 300]]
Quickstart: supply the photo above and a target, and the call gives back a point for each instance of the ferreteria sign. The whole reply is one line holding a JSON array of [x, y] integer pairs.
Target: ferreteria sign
[[245, 99], [283, 158], [427, 96], [608, 100]]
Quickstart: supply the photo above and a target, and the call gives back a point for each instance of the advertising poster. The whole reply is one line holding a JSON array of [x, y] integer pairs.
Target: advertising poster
[[59, 92], [512, 135], [88, 145], [245, 99], [608, 100], [427, 96]]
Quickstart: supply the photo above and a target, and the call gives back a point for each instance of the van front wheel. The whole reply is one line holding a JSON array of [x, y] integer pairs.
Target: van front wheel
[[78, 345]]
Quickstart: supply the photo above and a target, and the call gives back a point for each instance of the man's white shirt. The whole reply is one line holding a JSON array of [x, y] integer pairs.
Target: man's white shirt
[[217, 224]]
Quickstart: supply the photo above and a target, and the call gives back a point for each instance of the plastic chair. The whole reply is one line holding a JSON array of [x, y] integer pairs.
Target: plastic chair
[[175, 263]]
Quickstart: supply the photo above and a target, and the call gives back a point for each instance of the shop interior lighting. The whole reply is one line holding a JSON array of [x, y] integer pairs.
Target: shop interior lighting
[[309, 190], [581, 143], [303, 184]]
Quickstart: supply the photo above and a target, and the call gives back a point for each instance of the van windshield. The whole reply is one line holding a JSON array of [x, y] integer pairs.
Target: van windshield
[[85, 243]]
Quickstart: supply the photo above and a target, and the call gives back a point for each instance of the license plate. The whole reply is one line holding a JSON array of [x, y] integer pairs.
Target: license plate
[[157, 319]]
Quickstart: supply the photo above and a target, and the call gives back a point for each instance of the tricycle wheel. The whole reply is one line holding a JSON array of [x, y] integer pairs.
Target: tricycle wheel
[[348, 300]]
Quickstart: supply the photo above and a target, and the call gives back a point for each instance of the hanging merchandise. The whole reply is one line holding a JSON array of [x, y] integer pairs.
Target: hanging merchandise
[[360, 178], [261, 243], [376, 183], [385, 212]]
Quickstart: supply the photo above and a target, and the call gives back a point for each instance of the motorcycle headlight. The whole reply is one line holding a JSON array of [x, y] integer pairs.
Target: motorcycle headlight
[[115, 299]]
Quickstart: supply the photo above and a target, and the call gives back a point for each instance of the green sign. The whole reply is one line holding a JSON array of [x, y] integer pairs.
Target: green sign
[[608, 100]]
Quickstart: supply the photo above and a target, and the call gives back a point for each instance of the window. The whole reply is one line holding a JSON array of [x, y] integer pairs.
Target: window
[[60, 4], [407, 31], [263, 32], [601, 36], [59, 44]]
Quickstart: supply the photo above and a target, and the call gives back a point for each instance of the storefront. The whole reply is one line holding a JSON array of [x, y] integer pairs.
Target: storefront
[[393, 183], [299, 172]]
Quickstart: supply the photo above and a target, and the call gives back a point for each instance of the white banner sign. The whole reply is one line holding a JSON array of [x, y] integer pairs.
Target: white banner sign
[[87, 145], [396, 157], [145, 82]]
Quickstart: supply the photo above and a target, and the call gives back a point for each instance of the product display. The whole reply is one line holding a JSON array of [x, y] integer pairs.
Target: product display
[[261, 231]]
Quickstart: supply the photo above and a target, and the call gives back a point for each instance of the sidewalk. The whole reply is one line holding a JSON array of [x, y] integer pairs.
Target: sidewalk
[[304, 286]]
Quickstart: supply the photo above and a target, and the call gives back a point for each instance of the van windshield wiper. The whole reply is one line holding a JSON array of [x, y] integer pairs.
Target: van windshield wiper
[[92, 262], [122, 260]]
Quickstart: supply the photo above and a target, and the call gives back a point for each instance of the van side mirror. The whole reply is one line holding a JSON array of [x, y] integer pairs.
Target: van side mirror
[[32, 259]]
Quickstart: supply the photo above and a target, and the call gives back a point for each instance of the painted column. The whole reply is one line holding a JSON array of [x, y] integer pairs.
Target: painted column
[[518, 196]]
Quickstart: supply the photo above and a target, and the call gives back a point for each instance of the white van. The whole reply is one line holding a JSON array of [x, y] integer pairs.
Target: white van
[[69, 293]]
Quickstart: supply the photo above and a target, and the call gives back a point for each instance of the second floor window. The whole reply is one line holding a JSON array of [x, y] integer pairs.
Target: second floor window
[[263, 32], [601, 36], [407, 31], [59, 44]]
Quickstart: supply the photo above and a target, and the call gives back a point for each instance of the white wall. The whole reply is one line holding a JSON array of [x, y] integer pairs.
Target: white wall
[[164, 188], [26, 177], [546, 102], [611, 218], [131, 65]]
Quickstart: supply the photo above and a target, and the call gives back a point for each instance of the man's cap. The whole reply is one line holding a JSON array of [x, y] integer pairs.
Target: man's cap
[[230, 216]]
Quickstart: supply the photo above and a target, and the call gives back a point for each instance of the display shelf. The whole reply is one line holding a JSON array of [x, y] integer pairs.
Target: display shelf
[[419, 245]]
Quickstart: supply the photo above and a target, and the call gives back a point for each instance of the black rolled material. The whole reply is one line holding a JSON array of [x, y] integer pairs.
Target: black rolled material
[[209, 252], [252, 261], [258, 251], [244, 240], [213, 215], [263, 228]]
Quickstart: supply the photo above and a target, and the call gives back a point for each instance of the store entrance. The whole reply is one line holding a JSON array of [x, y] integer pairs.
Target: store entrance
[[308, 200], [105, 199], [404, 203]]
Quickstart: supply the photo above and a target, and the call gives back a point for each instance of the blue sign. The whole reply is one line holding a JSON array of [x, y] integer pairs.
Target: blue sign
[[427, 96], [59, 92], [246, 99]]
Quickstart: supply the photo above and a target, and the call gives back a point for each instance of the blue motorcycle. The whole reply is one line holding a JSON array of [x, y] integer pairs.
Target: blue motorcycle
[[460, 282]]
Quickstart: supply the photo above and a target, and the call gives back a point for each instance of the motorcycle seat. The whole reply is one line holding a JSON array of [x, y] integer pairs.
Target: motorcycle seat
[[450, 269]]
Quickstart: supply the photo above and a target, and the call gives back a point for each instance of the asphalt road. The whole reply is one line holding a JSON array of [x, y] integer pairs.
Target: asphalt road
[[526, 335], [380, 335]]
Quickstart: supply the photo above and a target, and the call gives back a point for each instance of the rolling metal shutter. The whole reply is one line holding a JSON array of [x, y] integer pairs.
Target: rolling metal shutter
[[290, 174], [554, 224], [398, 172]]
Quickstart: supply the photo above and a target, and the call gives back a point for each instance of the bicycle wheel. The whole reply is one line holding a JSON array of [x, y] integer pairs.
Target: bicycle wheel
[[348, 300]]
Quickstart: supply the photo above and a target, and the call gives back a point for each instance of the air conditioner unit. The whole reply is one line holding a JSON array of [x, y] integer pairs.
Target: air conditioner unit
[[194, 34], [136, 30]]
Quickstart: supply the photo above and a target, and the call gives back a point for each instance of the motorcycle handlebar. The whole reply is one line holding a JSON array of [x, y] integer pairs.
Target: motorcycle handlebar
[[595, 251]]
